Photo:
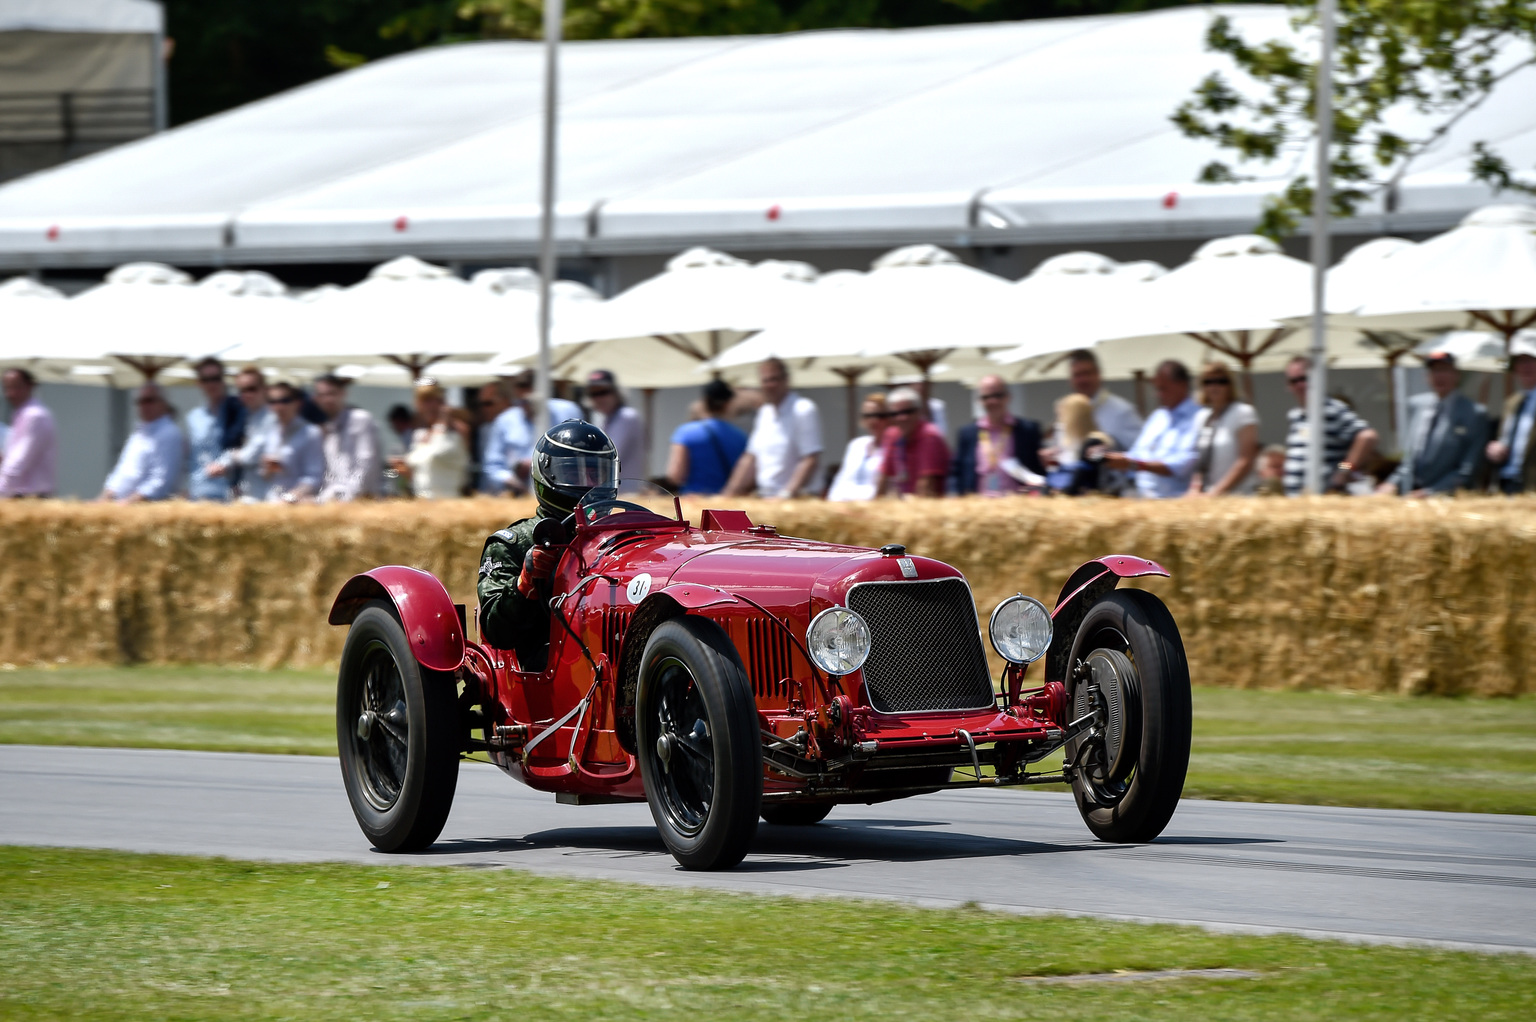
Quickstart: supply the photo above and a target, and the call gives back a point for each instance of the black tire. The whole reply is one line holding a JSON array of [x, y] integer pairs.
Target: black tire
[[1132, 796], [796, 814], [400, 769], [701, 752]]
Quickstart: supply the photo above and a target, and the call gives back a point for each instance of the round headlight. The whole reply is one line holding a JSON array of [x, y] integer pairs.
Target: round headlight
[[838, 641], [1020, 629]]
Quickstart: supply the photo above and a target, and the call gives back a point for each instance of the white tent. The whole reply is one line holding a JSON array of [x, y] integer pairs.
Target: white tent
[[991, 134]]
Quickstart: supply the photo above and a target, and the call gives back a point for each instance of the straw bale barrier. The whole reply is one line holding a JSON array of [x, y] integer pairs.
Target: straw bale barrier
[[1367, 594]]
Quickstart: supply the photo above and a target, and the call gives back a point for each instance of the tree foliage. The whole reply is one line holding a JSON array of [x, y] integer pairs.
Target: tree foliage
[[1406, 72], [230, 52]]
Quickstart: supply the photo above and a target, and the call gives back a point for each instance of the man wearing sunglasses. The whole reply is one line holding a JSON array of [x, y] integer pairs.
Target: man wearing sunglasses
[[238, 464], [1349, 442], [149, 467], [293, 453], [990, 451], [212, 429]]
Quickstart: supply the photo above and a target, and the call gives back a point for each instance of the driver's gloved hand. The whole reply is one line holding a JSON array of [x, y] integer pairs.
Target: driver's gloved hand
[[538, 566]]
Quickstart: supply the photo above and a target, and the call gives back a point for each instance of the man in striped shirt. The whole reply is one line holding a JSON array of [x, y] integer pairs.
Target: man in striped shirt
[[1349, 442]]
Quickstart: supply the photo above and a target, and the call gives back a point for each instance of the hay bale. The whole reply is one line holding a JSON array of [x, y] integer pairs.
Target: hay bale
[[1375, 594]]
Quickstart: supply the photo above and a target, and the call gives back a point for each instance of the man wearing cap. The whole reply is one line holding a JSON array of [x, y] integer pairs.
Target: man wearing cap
[[623, 425], [1514, 452], [1445, 435]]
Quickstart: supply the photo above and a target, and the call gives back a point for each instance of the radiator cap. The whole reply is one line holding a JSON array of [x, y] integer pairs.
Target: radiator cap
[[892, 550]]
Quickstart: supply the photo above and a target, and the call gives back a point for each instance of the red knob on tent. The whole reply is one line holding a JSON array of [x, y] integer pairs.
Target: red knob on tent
[[774, 211], [53, 233], [401, 223], [1170, 200]]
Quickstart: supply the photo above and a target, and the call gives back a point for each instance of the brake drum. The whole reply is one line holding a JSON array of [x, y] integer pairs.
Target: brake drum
[[1112, 674]]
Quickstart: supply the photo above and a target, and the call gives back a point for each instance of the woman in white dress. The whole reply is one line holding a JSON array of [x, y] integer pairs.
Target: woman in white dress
[[860, 470], [1227, 431], [438, 457]]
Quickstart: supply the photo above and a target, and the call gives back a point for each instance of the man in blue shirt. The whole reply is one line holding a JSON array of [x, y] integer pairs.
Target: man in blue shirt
[[293, 453], [503, 439], [211, 430], [1164, 455], [1514, 452], [149, 467]]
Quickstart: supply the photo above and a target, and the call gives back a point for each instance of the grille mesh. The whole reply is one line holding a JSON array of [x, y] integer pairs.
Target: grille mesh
[[925, 650]]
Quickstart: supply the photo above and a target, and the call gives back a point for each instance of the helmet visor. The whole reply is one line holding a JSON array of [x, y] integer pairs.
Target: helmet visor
[[581, 471]]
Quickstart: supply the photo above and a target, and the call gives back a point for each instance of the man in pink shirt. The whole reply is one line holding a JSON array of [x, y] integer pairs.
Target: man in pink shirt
[[916, 461], [29, 466]]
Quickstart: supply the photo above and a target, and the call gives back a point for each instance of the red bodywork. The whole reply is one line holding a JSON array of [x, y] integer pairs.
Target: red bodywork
[[569, 729]]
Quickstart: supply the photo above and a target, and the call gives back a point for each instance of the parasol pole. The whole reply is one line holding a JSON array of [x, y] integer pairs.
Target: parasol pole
[[1318, 382], [554, 12]]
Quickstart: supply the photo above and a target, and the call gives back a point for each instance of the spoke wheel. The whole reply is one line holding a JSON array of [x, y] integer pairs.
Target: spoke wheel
[[397, 735], [700, 752], [1128, 668]]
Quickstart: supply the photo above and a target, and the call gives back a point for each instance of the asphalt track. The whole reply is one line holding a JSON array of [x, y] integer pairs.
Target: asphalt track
[[1355, 874]]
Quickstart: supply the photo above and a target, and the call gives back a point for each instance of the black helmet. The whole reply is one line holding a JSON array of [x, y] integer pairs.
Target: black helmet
[[574, 461]]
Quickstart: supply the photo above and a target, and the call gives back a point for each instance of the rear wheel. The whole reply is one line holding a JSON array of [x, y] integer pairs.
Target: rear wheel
[[1128, 666], [397, 733], [701, 754], [796, 814]]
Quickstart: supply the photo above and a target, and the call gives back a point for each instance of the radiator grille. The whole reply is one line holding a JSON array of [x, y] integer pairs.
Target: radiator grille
[[615, 623], [769, 655], [925, 649]]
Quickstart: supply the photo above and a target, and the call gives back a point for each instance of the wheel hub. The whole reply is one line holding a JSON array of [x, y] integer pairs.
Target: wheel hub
[[1111, 687]]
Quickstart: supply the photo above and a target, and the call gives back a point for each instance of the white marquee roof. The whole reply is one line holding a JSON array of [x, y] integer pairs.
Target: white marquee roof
[[1005, 133], [125, 17]]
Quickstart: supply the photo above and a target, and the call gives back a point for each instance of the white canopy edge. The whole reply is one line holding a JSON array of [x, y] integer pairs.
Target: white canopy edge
[[111, 17], [1006, 217]]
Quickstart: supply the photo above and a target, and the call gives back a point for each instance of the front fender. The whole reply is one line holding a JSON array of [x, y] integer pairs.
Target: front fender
[[1085, 587], [426, 611]]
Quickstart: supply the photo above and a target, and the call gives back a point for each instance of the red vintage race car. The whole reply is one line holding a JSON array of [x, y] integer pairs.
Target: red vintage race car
[[724, 673]]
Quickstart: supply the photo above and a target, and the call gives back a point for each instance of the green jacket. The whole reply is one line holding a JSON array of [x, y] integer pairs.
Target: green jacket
[[509, 620]]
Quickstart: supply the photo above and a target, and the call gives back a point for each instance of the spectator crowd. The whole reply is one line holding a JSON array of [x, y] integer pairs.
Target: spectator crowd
[[267, 440]]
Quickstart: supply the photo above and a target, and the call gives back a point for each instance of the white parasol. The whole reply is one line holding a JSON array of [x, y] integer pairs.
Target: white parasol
[[407, 314], [1479, 276], [1067, 303], [146, 320], [661, 331]]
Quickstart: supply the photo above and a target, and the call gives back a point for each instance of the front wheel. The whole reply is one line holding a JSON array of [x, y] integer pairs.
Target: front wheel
[[1128, 667], [396, 729], [700, 748]]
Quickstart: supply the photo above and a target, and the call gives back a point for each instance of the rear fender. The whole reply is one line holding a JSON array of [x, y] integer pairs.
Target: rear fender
[[1086, 586], [426, 611]]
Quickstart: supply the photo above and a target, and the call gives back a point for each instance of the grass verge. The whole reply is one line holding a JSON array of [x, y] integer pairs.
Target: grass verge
[[106, 935], [1328, 748]]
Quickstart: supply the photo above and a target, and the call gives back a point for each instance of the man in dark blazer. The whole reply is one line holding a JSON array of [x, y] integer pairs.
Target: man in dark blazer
[[1446, 435], [986, 450], [1513, 454]]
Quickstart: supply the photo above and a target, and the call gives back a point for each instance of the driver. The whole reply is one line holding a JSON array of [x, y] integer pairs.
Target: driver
[[574, 462]]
